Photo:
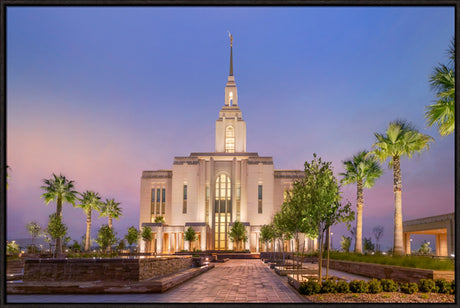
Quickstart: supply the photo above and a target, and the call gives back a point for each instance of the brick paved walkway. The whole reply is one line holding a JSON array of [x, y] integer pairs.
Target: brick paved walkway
[[232, 281]]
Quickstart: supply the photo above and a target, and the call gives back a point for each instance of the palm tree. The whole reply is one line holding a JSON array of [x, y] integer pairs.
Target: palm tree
[[90, 200], [400, 139], [110, 208], [362, 169], [59, 189], [442, 80]]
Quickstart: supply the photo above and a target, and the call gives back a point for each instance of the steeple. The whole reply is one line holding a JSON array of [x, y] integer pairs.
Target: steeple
[[230, 126], [231, 54], [231, 95]]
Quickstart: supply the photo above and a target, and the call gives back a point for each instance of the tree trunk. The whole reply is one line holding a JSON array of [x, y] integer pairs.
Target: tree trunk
[[58, 247], [110, 226], [320, 255], [328, 241], [398, 248], [88, 230], [359, 218]]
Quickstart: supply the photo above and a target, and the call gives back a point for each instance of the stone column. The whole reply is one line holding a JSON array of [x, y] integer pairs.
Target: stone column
[[450, 239], [160, 242], [248, 243], [257, 241], [233, 218], [169, 243], [438, 244], [244, 196], [212, 191], [407, 247], [203, 238]]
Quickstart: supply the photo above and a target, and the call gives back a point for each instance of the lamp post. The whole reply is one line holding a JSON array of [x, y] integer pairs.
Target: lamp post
[[332, 246]]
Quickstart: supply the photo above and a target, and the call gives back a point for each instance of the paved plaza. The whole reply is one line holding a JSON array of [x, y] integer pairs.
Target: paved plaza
[[234, 281]]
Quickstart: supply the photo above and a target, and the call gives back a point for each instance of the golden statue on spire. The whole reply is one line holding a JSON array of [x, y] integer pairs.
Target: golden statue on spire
[[231, 38]]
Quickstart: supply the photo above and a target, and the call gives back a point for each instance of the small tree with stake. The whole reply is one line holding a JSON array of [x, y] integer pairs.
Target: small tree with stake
[[132, 237], [34, 229], [147, 236], [238, 233], [190, 236], [378, 232], [321, 196], [56, 229], [106, 237]]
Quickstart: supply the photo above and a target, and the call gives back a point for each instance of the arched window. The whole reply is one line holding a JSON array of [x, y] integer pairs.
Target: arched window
[[230, 140]]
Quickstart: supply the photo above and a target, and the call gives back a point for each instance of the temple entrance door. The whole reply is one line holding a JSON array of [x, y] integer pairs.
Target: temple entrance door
[[222, 211]]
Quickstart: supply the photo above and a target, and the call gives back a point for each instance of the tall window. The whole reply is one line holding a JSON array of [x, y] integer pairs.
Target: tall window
[[285, 194], [229, 140], [260, 199], [152, 204], [222, 211], [230, 98], [163, 201], [157, 202], [184, 204]]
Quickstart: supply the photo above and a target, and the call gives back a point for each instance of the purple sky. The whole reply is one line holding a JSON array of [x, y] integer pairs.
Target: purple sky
[[101, 93]]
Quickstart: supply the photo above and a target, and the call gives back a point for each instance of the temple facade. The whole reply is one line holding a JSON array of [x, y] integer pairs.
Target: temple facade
[[209, 191]]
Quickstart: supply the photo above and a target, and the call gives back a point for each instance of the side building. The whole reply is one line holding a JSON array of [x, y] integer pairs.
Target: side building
[[209, 191]]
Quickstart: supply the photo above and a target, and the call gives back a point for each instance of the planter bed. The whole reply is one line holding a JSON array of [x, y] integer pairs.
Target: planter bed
[[116, 269], [381, 271]]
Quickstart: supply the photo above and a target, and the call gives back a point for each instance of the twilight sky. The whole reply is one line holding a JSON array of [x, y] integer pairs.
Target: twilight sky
[[100, 94]]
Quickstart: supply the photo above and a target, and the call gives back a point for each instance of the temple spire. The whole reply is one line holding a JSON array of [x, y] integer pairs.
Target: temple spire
[[231, 53]]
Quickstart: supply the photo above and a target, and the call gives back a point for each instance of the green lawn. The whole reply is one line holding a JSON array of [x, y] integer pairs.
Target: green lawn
[[426, 262]]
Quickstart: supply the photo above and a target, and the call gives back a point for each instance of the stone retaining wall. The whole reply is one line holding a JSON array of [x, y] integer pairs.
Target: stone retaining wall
[[156, 267], [102, 269]]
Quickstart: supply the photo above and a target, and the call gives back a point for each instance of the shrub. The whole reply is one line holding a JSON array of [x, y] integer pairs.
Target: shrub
[[342, 287], [389, 285], [443, 286], [328, 286], [374, 286], [427, 285], [408, 288], [309, 287], [358, 286], [452, 286]]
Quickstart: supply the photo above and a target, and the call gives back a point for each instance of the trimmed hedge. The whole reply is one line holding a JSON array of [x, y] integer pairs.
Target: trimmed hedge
[[427, 285], [374, 286], [443, 286], [408, 288], [342, 287], [389, 285], [309, 287], [329, 286], [358, 286]]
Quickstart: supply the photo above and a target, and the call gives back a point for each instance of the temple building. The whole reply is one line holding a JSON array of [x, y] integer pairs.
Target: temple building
[[209, 191]]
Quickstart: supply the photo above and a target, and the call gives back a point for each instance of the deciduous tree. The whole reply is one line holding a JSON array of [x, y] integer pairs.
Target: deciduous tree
[[238, 234]]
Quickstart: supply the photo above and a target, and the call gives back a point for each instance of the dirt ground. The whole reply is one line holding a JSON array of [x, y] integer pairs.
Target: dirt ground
[[384, 297]]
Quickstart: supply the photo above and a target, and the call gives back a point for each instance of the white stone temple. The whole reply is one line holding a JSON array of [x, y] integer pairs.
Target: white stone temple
[[209, 191]]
